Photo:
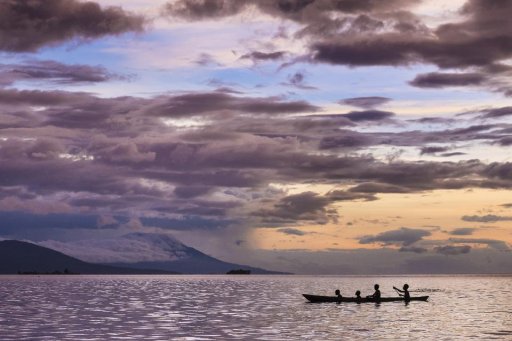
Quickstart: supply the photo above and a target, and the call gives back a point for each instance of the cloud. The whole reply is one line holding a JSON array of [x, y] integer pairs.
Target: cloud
[[488, 218], [433, 150], [292, 231], [414, 249], [371, 187], [384, 261], [55, 71], [264, 56], [307, 206], [27, 26], [492, 243], [403, 236], [505, 141], [441, 80], [305, 11], [203, 9], [368, 115], [191, 191], [16, 221], [365, 102], [462, 231], [297, 80], [497, 112], [476, 41], [203, 103], [451, 250], [92, 154]]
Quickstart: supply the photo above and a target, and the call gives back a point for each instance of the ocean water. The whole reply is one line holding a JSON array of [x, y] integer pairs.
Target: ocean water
[[250, 308]]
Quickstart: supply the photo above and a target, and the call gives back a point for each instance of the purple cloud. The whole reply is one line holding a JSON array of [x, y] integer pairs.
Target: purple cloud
[[27, 26]]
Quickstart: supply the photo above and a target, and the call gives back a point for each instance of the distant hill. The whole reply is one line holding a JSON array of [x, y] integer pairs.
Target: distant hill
[[149, 250], [17, 256], [183, 258]]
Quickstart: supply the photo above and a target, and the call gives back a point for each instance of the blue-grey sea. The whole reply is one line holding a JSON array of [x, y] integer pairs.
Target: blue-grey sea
[[250, 307]]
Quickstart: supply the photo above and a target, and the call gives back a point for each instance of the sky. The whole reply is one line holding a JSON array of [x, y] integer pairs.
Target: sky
[[328, 136]]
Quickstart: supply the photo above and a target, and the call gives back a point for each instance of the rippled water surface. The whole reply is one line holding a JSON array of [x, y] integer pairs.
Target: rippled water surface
[[249, 308]]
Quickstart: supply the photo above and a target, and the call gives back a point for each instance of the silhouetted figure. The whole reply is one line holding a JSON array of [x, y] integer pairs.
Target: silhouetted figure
[[358, 296], [405, 292], [376, 294], [338, 295]]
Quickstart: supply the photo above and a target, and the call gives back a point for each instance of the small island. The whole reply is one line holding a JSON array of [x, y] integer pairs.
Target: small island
[[239, 272]]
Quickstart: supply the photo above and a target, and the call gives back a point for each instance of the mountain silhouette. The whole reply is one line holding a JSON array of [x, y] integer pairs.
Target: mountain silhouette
[[148, 251], [181, 258], [23, 257]]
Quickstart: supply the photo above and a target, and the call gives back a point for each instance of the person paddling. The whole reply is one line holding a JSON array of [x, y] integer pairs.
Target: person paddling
[[404, 293], [376, 294]]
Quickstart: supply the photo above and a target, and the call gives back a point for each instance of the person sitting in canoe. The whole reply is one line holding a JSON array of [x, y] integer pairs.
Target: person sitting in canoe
[[376, 294], [338, 295], [358, 296], [405, 292]]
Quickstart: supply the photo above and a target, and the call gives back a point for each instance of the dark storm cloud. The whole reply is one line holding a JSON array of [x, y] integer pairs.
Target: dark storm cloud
[[202, 103], [309, 206], [403, 236], [368, 115], [203, 9], [303, 206], [366, 33], [489, 218], [481, 40], [297, 10], [365, 102], [452, 250], [55, 71], [26, 26], [440, 80], [478, 43], [463, 231]]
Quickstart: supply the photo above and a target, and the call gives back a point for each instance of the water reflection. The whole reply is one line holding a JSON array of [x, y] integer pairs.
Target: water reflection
[[247, 307]]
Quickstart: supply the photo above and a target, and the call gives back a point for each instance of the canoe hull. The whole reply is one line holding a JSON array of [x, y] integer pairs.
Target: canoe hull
[[323, 299]]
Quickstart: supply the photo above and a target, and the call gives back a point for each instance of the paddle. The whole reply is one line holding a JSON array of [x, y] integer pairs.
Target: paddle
[[398, 291]]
